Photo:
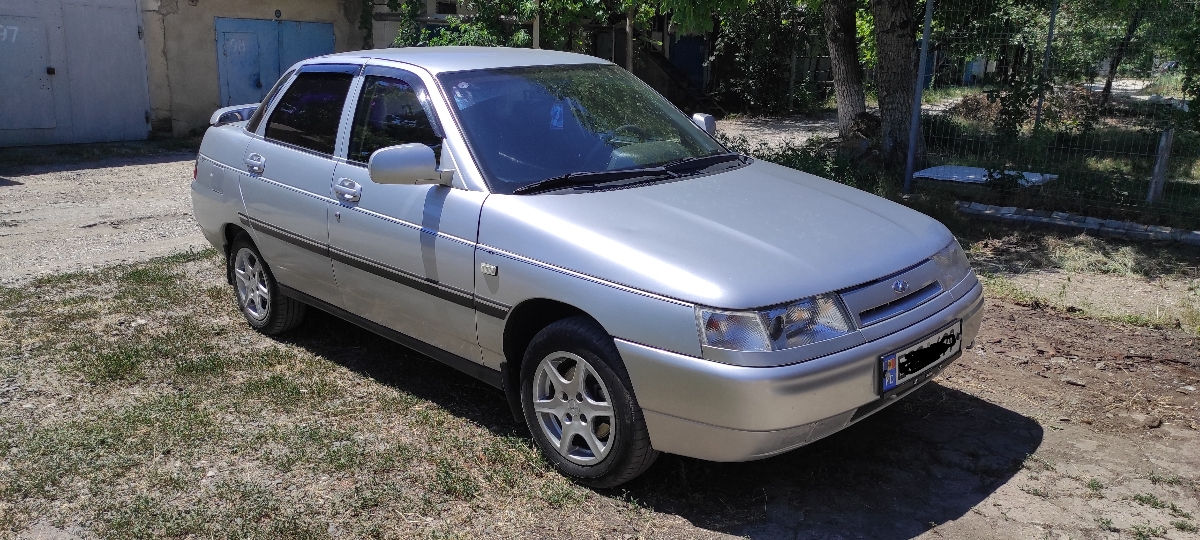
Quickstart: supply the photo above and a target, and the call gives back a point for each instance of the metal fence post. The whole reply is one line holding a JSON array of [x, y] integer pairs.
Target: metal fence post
[[914, 127], [1159, 180], [1037, 118]]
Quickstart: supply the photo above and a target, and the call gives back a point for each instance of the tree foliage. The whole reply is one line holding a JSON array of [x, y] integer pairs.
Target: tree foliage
[[762, 44]]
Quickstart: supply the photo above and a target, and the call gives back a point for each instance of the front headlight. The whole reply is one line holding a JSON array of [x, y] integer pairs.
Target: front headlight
[[802, 322], [952, 264]]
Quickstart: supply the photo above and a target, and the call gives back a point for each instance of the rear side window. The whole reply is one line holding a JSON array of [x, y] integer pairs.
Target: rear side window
[[389, 112], [309, 113]]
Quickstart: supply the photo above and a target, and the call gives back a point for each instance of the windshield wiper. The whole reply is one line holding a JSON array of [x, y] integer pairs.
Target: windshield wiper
[[691, 164], [582, 178]]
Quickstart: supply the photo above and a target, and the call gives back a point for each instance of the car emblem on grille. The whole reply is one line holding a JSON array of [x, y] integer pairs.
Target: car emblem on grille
[[900, 286]]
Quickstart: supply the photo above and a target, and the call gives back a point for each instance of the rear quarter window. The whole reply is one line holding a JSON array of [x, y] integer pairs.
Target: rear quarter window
[[309, 112]]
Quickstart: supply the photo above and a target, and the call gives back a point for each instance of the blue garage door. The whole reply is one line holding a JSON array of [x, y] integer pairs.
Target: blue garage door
[[252, 53]]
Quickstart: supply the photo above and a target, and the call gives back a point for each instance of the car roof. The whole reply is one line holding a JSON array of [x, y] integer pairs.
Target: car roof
[[445, 59]]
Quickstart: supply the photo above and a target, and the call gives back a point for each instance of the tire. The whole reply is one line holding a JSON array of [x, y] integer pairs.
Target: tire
[[257, 293], [598, 435]]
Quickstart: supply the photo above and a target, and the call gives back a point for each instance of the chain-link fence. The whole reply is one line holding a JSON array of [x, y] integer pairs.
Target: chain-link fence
[[1071, 105]]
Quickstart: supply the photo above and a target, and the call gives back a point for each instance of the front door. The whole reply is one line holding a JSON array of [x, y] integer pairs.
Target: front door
[[290, 166], [404, 255]]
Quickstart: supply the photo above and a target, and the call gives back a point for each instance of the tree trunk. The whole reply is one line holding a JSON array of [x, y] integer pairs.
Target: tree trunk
[[840, 33], [629, 15], [895, 74], [537, 24], [1122, 50]]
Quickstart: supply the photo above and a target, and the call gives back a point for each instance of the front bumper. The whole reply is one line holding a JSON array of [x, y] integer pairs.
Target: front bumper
[[721, 412]]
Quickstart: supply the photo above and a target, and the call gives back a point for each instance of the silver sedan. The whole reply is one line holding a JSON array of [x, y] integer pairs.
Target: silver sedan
[[548, 223]]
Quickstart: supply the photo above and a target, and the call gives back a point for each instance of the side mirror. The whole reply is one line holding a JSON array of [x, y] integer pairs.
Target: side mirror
[[411, 163], [229, 115], [705, 122]]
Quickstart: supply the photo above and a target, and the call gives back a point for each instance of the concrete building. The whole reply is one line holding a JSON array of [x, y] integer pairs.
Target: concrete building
[[205, 54], [109, 70]]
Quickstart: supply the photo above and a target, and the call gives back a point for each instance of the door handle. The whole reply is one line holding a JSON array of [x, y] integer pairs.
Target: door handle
[[256, 164], [347, 190]]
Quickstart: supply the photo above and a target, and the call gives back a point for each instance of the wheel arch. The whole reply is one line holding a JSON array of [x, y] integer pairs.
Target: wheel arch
[[523, 322], [228, 233]]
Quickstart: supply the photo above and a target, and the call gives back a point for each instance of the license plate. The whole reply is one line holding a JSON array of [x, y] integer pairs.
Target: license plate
[[905, 364]]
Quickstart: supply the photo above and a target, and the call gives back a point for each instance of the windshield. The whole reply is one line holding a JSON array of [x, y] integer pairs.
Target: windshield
[[527, 125]]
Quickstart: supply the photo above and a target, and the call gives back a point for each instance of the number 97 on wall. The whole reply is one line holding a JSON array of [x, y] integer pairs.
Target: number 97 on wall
[[8, 33]]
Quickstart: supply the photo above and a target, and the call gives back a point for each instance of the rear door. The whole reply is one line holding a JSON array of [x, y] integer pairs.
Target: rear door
[[404, 255], [289, 165]]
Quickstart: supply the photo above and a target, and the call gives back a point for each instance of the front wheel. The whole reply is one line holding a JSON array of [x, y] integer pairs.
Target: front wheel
[[257, 293], [578, 404]]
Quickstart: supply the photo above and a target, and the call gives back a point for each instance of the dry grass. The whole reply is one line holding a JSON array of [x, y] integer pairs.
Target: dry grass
[[137, 404], [1142, 283]]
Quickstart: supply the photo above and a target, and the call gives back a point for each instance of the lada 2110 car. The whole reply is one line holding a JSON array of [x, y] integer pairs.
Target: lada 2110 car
[[547, 223]]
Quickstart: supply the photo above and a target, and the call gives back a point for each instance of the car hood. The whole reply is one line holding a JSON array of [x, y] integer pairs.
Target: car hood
[[755, 236]]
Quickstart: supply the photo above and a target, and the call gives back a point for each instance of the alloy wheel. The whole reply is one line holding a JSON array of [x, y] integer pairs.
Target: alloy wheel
[[253, 292], [573, 408]]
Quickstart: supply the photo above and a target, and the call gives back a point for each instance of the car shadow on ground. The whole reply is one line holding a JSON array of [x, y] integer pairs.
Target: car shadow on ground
[[924, 461], [5, 182], [371, 355]]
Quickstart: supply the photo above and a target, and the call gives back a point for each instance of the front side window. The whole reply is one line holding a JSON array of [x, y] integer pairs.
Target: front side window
[[309, 112], [256, 118], [530, 124], [389, 113]]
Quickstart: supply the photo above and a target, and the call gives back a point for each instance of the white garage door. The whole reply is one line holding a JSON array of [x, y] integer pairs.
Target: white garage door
[[71, 71], [26, 100]]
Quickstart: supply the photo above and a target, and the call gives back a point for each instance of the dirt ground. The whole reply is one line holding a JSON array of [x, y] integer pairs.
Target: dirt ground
[[1053, 426], [78, 216], [776, 131]]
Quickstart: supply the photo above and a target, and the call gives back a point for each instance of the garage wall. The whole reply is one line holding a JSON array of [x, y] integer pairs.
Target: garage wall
[[181, 44], [73, 71]]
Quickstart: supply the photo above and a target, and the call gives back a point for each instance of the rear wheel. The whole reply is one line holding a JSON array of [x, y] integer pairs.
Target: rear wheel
[[257, 292], [578, 404]]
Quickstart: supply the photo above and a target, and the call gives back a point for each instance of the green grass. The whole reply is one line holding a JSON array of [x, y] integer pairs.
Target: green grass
[[286, 390], [1003, 287], [103, 448], [951, 93], [1165, 479], [121, 363], [1152, 501], [1147, 531], [1106, 525], [1168, 85], [1036, 492], [1102, 173], [1185, 526], [208, 364]]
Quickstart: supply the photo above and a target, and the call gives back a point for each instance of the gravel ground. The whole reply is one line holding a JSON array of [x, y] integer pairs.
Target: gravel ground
[[79, 216]]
